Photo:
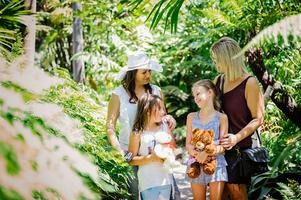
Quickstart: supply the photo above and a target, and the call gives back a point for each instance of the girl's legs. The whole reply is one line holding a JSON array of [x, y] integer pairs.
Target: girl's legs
[[237, 191], [198, 191], [216, 190]]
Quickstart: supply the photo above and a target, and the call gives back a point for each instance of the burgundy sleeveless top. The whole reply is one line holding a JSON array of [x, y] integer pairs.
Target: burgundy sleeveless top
[[234, 104]]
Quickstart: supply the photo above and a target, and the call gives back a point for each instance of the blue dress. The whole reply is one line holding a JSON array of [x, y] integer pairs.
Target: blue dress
[[220, 173]]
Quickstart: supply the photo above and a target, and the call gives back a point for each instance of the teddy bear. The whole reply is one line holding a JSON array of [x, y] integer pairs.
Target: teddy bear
[[202, 140], [164, 150]]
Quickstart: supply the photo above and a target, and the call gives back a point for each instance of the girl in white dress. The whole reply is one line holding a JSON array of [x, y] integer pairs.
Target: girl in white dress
[[154, 180]]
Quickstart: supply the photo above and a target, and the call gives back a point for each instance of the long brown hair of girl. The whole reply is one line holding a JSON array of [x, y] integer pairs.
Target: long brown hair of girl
[[209, 85], [146, 105], [128, 82]]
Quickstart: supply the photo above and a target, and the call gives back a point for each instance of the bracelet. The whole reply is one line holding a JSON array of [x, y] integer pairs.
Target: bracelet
[[128, 156]]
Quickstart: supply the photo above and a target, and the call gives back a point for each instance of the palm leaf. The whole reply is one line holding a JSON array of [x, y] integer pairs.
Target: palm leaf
[[10, 21], [218, 17], [6, 40], [289, 26], [175, 91], [11, 13], [286, 151], [168, 10], [4, 1]]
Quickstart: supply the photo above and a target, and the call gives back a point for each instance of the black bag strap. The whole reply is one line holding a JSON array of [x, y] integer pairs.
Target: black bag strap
[[258, 137]]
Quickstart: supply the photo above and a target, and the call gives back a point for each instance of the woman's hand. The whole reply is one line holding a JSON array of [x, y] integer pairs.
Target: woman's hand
[[171, 122], [154, 158], [229, 141]]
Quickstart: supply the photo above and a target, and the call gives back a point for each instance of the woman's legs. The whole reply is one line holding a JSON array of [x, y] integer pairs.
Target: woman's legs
[[216, 190], [198, 191], [237, 191], [134, 184]]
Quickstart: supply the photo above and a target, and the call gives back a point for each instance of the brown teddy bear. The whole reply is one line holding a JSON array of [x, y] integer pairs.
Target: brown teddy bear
[[202, 140]]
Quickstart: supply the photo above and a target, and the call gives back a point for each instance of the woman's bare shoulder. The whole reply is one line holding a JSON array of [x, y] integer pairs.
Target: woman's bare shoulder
[[252, 83]]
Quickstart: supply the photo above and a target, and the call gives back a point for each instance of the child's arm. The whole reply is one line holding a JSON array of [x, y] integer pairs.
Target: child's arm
[[189, 146], [223, 130], [134, 146], [171, 122], [173, 140]]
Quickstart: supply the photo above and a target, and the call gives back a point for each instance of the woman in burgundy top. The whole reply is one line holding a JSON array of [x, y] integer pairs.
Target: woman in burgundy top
[[242, 101]]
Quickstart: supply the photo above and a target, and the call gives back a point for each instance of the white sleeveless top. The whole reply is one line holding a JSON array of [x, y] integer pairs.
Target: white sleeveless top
[[152, 174], [128, 113]]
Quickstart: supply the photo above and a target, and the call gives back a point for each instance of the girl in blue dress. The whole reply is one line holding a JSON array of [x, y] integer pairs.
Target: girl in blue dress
[[208, 117]]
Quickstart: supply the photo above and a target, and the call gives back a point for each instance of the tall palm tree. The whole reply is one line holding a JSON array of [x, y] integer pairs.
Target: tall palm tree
[[77, 39], [29, 41]]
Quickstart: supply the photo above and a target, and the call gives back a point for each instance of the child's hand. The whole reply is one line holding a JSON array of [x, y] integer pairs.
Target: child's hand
[[201, 157], [192, 151]]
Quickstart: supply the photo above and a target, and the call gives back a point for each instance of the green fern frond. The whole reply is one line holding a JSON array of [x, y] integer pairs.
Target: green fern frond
[[235, 6], [218, 17], [289, 26]]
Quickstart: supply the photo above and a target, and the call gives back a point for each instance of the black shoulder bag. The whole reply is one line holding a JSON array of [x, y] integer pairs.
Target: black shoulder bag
[[251, 161]]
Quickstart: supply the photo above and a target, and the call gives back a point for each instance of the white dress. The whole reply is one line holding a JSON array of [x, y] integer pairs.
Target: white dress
[[152, 174], [128, 113]]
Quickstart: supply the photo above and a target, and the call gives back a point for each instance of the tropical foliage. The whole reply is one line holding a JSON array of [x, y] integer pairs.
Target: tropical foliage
[[111, 30], [202, 23], [54, 131], [11, 28]]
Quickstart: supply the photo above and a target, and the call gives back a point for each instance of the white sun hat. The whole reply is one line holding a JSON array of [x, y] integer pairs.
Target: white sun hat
[[139, 60]]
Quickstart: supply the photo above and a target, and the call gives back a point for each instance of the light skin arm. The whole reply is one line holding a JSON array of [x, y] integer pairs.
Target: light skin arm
[[112, 116], [189, 146], [223, 129], [170, 120], [134, 146], [173, 141], [255, 104]]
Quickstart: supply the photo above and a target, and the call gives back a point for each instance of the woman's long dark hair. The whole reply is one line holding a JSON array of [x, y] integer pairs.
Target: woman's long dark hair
[[128, 82], [146, 105]]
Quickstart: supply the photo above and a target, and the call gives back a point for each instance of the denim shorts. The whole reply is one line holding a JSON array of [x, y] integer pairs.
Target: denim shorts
[[220, 174], [160, 192]]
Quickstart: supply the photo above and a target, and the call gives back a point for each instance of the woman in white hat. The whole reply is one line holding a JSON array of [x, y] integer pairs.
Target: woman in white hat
[[135, 80]]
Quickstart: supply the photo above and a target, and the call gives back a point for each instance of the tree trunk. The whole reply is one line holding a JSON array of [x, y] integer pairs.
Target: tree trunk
[[278, 95], [30, 38], [78, 67]]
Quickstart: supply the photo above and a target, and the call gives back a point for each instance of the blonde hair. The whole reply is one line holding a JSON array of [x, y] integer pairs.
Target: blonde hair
[[209, 85], [223, 52]]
